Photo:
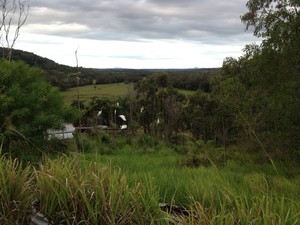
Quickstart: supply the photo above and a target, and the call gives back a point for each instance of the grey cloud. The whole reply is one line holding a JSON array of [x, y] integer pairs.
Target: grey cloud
[[195, 20]]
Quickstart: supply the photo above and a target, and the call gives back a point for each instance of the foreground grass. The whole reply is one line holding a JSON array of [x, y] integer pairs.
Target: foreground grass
[[116, 183], [70, 192], [240, 191], [178, 183], [15, 192]]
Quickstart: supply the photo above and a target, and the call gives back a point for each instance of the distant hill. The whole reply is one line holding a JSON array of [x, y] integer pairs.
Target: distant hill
[[64, 76], [38, 61]]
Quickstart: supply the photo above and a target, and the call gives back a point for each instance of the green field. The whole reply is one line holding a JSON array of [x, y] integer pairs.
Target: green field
[[102, 90]]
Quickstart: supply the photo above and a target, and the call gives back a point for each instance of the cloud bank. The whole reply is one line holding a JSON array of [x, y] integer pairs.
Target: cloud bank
[[200, 24], [195, 20]]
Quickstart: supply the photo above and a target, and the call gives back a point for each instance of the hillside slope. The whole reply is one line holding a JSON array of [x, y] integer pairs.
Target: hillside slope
[[64, 76]]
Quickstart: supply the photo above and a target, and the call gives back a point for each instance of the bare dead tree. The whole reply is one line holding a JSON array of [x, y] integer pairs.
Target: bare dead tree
[[14, 14], [77, 84]]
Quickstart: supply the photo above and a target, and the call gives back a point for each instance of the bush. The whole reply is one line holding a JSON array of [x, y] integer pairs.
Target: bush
[[28, 104], [147, 143], [102, 142], [202, 153]]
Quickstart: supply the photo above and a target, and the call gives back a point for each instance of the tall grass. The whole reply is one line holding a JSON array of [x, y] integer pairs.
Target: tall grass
[[75, 193], [15, 191], [70, 191], [177, 182], [230, 192], [120, 184], [244, 210]]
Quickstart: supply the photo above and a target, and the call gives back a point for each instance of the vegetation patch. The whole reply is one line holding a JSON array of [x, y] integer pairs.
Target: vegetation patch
[[129, 186]]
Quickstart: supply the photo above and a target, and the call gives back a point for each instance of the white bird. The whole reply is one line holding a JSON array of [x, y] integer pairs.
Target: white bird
[[122, 117], [99, 113], [123, 127], [157, 122], [142, 109]]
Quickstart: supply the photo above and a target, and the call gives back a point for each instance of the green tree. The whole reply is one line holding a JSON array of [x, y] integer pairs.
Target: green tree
[[106, 111], [261, 88], [277, 22], [200, 116], [160, 106], [28, 104]]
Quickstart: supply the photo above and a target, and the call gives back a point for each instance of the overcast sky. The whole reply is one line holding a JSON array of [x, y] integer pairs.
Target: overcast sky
[[136, 33]]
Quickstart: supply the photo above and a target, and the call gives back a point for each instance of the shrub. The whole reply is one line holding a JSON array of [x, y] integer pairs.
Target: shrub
[[28, 104], [147, 143], [201, 153]]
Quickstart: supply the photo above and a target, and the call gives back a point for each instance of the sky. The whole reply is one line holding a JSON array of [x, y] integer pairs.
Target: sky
[[136, 33]]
